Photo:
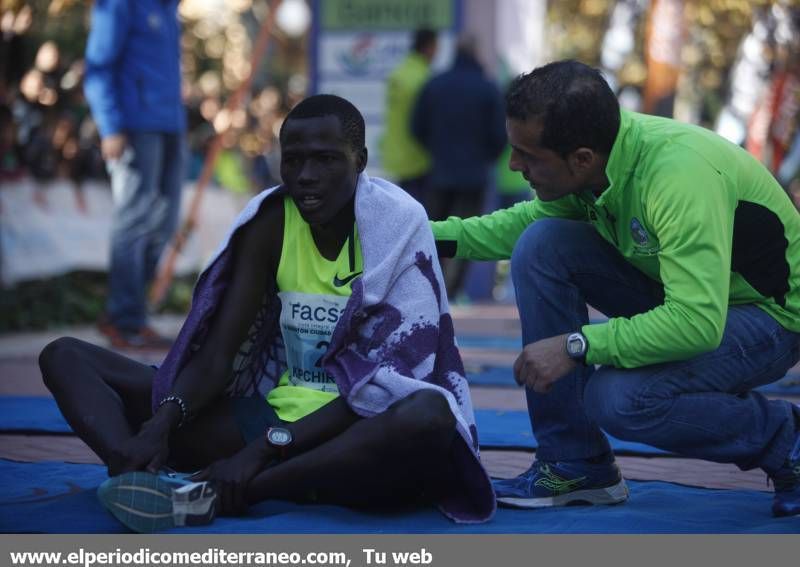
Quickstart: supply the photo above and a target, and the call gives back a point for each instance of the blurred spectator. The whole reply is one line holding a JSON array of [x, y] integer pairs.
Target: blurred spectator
[[50, 148], [10, 164], [459, 119], [13, 27], [266, 165], [90, 160], [404, 159], [230, 170], [133, 85], [51, 135]]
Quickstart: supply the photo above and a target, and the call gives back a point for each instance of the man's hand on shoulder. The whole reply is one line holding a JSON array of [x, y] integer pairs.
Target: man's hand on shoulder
[[112, 146], [543, 363]]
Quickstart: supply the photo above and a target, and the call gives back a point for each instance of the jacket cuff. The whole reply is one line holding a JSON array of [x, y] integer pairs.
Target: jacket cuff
[[597, 335], [109, 128], [446, 235]]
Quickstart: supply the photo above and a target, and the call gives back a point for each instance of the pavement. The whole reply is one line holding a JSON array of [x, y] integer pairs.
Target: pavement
[[20, 376]]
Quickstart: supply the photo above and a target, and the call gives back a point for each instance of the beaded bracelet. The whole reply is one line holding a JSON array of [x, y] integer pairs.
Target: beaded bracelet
[[181, 404]]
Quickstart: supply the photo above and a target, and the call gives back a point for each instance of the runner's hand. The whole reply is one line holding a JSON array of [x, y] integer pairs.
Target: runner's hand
[[147, 450], [231, 476], [543, 363]]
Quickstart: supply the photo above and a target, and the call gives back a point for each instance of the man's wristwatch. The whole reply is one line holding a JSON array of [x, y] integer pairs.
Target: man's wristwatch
[[280, 438], [577, 345]]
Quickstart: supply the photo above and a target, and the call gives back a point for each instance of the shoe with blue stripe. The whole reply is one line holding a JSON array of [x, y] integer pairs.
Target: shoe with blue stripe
[[147, 503], [562, 483], [787, 484]]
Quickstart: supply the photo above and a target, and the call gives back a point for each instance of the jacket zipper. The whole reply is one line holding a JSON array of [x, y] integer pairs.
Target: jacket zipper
[[613, 220]]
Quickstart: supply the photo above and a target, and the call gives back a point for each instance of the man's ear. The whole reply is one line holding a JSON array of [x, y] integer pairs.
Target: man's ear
[[361, 159], [582, 160]]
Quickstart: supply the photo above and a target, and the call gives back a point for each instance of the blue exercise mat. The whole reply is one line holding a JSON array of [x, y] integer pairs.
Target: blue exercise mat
[[496, 429], [503, 376], [29, 414], [55, 497]]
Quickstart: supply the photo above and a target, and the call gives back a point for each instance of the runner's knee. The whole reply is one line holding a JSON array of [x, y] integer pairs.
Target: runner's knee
[[424, 420], [56, 359]]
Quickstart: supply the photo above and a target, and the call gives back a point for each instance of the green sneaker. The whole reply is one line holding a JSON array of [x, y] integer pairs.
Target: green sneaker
[[146, 503]]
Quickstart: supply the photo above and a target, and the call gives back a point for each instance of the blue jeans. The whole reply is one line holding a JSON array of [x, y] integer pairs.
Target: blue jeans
[[703, 407], [146, 186]]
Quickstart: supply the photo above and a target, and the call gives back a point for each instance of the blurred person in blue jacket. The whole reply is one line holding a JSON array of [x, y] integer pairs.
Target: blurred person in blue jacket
[[133, 86], [459, 118]]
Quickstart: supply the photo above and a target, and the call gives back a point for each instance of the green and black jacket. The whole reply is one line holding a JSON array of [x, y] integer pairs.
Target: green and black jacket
[[690, 210]]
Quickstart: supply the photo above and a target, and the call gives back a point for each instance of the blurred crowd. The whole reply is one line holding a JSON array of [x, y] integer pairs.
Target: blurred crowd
[[47, 131]]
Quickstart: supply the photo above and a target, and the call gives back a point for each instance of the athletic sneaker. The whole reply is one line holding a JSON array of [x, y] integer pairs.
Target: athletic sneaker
[[787, 484], [563, 483], [147, 503]]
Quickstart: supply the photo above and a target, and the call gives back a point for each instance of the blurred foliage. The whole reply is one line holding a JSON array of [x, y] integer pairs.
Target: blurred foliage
[[63, 21], [217, 37], [714, 30], [576, 27], [77, 298]]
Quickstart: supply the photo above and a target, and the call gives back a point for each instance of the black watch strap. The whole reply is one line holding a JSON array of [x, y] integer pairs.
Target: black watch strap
[[280, 438]]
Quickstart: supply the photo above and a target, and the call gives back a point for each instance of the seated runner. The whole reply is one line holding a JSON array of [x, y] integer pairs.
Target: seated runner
[[318, 361]]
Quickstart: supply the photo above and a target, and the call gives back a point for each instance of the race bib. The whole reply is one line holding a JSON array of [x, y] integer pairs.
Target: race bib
[[307, 324]]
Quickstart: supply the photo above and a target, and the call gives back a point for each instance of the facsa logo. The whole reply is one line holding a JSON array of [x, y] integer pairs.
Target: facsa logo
[[319, 314]]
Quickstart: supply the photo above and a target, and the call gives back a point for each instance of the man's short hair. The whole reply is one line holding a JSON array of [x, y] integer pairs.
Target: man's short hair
[[423, 38], [320, 105], [574, 102]]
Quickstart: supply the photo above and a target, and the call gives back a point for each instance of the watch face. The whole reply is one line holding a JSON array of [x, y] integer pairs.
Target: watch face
[[279, 436], [576, 345]]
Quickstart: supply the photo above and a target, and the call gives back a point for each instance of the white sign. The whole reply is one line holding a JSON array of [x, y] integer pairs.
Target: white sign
[[49, 229]]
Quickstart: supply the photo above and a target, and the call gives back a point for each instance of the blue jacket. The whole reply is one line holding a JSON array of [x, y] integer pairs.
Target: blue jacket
[[459, 118], [133, 76]]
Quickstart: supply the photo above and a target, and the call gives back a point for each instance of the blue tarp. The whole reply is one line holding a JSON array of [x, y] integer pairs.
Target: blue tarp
[[496, 429], [55, 497]]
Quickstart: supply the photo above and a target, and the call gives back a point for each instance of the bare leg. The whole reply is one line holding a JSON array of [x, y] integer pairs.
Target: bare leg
[[385, 460], [105, 397]]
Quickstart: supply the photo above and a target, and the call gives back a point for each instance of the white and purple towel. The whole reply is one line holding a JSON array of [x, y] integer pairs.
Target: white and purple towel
[[394, 338]]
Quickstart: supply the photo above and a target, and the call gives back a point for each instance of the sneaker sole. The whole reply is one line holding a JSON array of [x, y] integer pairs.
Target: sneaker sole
[[147, 503], [614, 494]]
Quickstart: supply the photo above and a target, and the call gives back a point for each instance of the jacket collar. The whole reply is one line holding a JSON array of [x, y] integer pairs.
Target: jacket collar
[[624, 155]]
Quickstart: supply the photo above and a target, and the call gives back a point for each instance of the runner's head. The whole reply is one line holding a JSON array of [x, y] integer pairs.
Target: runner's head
[[322, 154]]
